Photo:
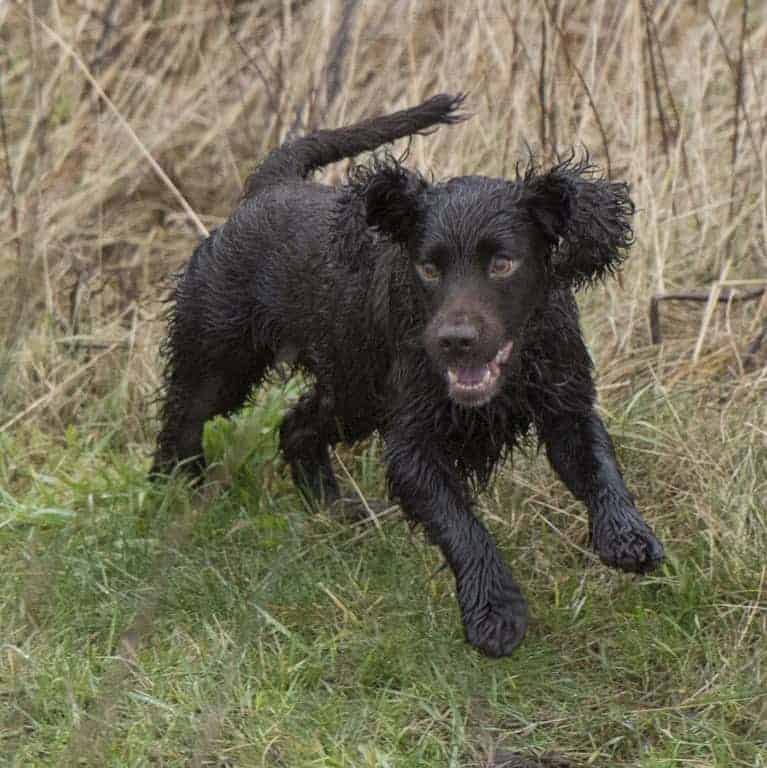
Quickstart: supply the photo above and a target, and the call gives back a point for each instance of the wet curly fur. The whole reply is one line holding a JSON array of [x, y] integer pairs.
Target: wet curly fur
[[439, 314]]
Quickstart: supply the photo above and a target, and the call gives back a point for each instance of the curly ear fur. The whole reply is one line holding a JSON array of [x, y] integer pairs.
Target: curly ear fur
[[391, 196], [586, 217]]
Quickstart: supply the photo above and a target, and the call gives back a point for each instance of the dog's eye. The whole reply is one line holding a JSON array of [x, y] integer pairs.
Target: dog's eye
[[501, 267], [428, 271]]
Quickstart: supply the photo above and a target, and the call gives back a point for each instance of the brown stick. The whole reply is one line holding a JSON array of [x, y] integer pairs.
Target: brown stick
[[749, 359], [252, 62], [542, 84], [652, 31], [337, 55], [733, 66], [699, 296], [664, 127], [16, 237], [587, 91]]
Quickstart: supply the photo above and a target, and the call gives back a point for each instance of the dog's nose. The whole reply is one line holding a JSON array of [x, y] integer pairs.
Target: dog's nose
[[457, 337]]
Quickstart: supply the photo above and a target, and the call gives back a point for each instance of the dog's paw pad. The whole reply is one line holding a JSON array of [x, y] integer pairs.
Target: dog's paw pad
[[498, 628], [627, 544]]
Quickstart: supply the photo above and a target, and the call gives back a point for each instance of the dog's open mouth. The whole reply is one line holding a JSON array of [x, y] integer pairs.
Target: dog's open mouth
[[477, 385]]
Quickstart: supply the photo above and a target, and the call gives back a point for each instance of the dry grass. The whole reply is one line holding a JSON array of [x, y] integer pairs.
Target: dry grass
[[128, 127], [104, 195]]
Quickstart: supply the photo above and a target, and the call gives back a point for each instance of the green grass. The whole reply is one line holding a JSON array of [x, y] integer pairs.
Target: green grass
[[150, 625]]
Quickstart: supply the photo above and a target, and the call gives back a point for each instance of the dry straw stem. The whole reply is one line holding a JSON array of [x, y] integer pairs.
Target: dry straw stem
[[195, 219], [59, 388], [371, 515], [210, 87]]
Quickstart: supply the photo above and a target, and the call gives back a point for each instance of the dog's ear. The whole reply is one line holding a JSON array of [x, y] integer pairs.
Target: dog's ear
[[586, 218], [391, 195]]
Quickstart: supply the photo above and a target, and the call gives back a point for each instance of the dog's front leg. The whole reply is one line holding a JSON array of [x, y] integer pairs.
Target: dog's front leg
[[493, 610], [580, 450]]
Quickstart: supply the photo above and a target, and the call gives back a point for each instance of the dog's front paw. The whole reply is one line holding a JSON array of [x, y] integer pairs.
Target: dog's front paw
[[623, 540], [497, 624]]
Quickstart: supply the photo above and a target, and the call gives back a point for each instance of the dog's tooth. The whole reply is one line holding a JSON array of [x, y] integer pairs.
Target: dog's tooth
[[452, 376], [504, 352]]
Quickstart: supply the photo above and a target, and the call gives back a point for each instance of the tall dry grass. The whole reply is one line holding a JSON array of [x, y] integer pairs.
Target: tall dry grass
[[127, 128]]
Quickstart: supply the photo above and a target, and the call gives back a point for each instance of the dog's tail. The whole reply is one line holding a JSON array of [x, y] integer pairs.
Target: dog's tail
[[297, 159]]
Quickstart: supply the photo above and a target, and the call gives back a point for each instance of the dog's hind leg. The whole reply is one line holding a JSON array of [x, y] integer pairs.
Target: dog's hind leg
[[306, 434], [200, 387], [214, 355]]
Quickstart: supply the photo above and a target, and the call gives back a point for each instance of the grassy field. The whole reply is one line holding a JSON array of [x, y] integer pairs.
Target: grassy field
[[154, 625]]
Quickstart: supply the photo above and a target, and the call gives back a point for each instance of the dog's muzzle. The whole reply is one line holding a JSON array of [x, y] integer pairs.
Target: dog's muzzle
[[477, 385]]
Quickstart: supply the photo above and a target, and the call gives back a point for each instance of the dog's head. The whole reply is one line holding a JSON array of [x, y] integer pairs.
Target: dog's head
[[486, 252]]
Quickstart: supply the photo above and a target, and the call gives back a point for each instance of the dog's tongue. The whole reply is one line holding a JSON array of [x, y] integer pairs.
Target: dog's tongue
[[469, 377]]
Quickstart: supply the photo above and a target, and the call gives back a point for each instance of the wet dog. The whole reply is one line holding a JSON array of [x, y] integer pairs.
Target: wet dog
[[439, 314]]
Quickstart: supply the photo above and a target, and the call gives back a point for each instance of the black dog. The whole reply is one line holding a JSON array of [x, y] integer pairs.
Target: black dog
[[441, 315]]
